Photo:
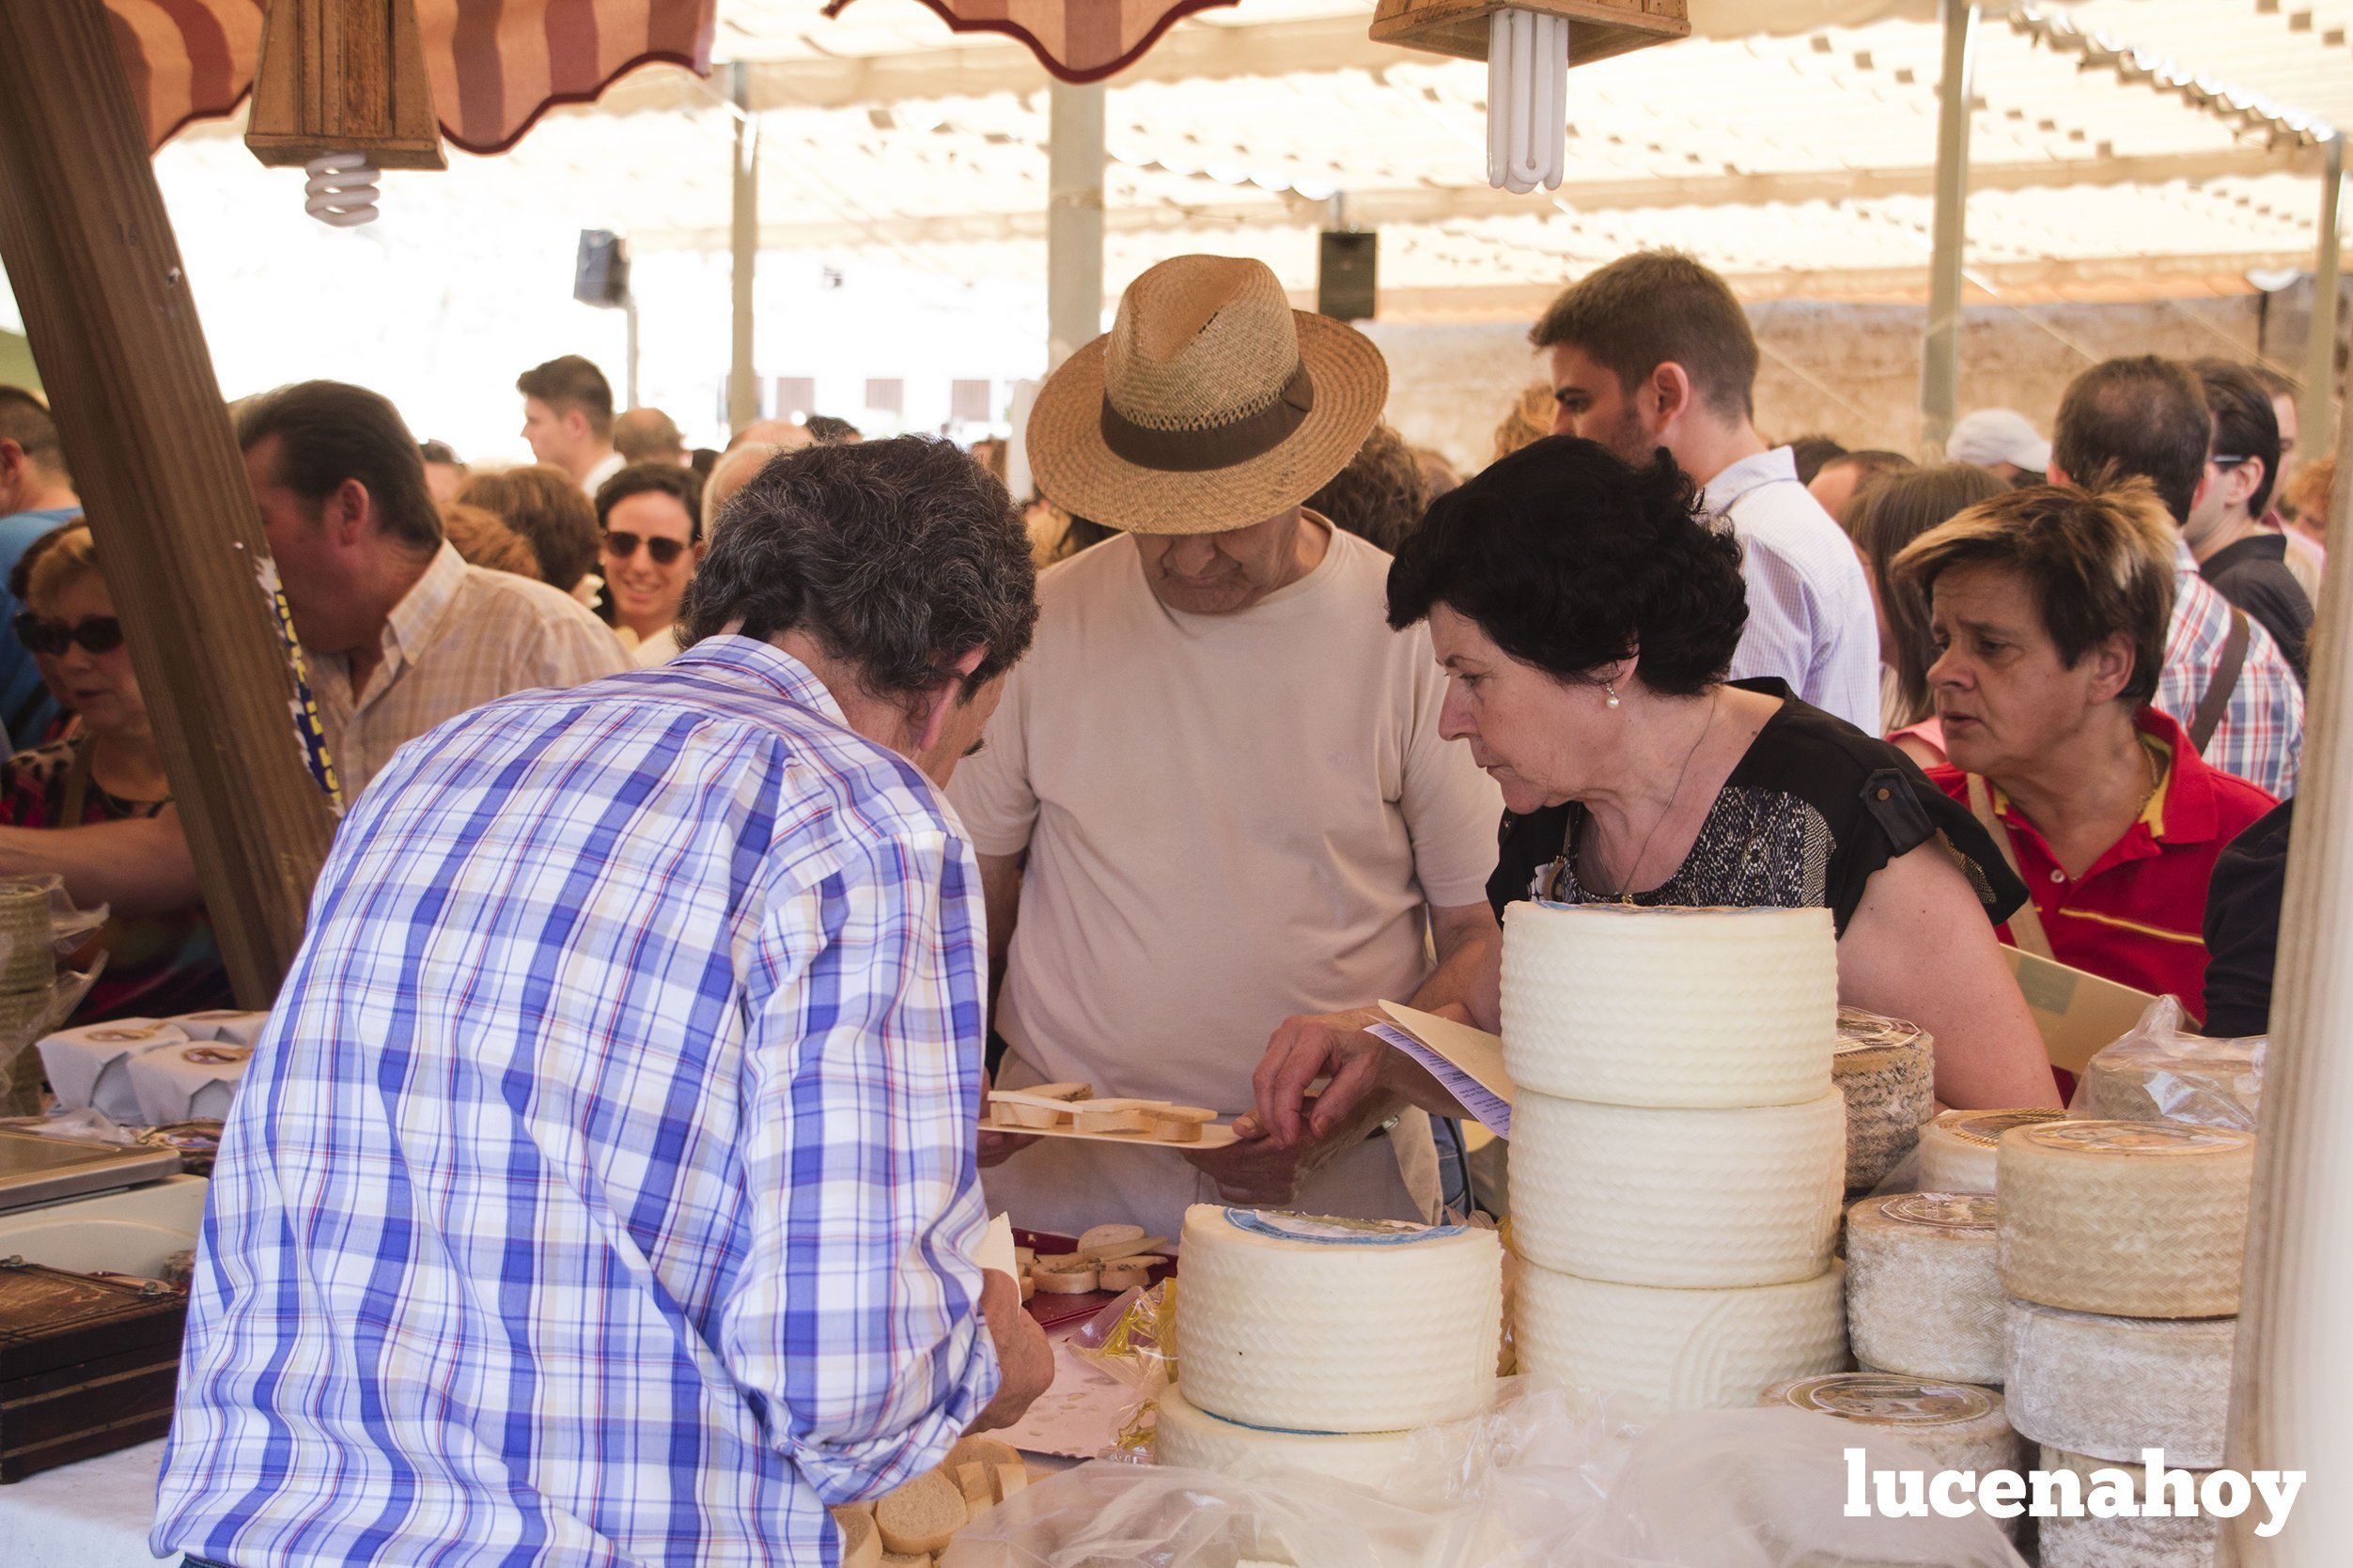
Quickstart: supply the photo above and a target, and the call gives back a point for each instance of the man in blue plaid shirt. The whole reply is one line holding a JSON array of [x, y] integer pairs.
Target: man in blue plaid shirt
[[603, 1190]]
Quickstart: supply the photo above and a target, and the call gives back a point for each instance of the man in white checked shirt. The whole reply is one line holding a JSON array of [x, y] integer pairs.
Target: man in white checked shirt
[[602, 1192], [1653, 350]]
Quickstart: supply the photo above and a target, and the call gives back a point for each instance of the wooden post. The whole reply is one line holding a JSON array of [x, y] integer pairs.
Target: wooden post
[[1941, 349], [743, 253], [2294, 1362], [113, 330], [1074, 219], [2320, 337]]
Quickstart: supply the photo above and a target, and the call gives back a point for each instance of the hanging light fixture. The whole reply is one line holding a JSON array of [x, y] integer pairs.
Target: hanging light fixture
[[340, 91], [1528, 47]]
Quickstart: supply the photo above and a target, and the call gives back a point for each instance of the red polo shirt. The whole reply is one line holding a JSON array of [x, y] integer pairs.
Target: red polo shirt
[[2135, 917]]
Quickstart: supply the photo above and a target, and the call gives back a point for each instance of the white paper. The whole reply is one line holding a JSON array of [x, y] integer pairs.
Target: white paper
[[1491, 1110], [997, 1251], [1079, 1414]]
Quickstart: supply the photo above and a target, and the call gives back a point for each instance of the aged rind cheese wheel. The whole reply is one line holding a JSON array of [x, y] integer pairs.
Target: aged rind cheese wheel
[[2113, 1386], [1184, 1434], [1957, 1150], [1885, 1070], [1668, 1007], [1651, 1352], [2143, 1543], [2129, 1218], [1923, 1286], [1309, 1324], [1648, 1196], [1960, 1427]]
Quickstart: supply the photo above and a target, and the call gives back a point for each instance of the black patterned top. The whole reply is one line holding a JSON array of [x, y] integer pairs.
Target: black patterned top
[[1813, 809]]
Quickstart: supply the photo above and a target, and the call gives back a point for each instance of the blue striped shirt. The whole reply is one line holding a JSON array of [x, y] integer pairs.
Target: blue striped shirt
[[603, 1190]]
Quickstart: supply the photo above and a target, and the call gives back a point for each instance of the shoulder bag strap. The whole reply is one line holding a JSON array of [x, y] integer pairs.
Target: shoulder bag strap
[[2217, 701], [77, 783], [2026, 925]]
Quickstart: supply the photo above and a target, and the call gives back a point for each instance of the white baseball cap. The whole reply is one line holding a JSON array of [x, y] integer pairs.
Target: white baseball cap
[[1992, 436]]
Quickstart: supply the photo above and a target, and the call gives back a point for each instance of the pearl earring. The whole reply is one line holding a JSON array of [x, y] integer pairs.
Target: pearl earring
[[1613, 699]]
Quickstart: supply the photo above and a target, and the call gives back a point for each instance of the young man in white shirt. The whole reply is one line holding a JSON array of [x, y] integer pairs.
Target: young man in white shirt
[[568, 419]]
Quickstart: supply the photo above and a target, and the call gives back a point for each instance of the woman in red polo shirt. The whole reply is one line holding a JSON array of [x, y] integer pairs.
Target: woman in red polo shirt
[[2050, 608]]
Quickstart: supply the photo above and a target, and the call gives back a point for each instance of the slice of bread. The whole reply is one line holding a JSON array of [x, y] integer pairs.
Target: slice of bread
[[861, 1546], [922, 1515], [987, 1451]]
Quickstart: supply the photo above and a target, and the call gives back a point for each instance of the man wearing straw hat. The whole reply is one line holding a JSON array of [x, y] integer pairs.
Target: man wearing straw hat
[[1214, 802]]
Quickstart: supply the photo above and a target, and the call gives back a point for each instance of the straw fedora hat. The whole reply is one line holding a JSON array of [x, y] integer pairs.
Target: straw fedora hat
[[1210, 404]]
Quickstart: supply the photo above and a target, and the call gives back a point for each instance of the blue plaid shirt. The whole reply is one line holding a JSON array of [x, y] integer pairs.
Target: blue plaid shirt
[[603, 1190]]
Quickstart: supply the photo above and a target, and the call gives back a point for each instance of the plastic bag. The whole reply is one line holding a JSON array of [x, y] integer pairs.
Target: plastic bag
[[1541, 1480], [2162, 1073]]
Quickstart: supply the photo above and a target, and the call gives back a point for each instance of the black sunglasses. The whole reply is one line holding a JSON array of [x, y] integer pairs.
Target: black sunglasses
[[41, 635], [621, 546]]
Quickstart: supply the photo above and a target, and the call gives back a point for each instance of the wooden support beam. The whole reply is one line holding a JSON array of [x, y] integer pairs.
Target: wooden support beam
[[1941, 343], [90, 255]]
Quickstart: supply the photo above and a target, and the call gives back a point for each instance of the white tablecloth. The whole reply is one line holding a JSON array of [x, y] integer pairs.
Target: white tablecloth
[[93, 1514]]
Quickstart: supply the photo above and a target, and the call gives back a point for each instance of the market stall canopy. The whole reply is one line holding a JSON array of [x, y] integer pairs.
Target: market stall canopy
[[1079, 40], [496, 66]]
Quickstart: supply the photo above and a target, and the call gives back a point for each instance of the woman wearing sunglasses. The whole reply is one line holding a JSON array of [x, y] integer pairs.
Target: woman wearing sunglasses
[[651, 517], [162, 958]]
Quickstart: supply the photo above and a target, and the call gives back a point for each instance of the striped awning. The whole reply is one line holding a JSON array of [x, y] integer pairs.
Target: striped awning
[[497, 65], [1079, 40]]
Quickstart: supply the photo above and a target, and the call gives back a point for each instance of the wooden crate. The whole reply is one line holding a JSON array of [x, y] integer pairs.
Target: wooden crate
[[88, 1364]]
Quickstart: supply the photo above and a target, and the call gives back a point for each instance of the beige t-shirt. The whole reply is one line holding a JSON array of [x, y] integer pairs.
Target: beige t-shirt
[[1229, 819]]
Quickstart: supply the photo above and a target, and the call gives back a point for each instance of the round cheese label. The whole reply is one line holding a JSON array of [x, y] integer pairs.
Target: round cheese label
[[1884, 1399], [1330, 1231], [1943, 1211], [2139, 1137], [215, 1056], [114, 1036], [1987, 1127]]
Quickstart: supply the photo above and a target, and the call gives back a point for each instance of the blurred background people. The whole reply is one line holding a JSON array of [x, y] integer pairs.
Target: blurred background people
[[541, 504]]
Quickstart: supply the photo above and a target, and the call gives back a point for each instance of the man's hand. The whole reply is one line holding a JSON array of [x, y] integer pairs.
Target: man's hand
[[1025, 1358], [1258, 1170], [1303, 1049], [997, 1147]]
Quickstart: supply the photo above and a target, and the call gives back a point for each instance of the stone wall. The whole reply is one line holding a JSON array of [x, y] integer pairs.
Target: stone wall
[[1852, 371]]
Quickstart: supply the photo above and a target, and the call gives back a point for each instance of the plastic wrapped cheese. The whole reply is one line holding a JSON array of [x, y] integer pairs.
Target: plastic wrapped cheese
[[1923, 1286], [1960, 1426], [2180, 1541], [1184, 1434], [2113, 1386], [1959, 1148], [2132, 1218], [196, 1080], [89, 1066], [1645, 1196], [1650, 1351], [1307, 1324], [1669, 1006], [1885, 1070]]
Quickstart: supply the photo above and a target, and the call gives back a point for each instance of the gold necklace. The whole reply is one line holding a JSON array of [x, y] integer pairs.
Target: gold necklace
[[1625, 892]]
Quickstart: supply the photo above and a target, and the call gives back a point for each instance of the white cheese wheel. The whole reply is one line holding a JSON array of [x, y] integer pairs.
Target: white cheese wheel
[[1960, 1427], [1184, 1434], [2113, 1386], [1652, 1351], [1923, 1289], [1886, 1072], [1687, 1199], [1313, 1325], [2089, 1542], [1957, 1150], [1668, 1007], [2130, 1218]]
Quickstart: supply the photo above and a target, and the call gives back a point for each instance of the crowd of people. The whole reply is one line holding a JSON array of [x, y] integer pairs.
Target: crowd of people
[[779, 799]]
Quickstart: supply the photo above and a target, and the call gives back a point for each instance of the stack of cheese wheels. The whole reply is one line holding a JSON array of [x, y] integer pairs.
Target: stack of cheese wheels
[[2120, 1244], [1957, 1150], [1885, 1070], [1678, 1150], [1306, 1342], [1960, 1427]]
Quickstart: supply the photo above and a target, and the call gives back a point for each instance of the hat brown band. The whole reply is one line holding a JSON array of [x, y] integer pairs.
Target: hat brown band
[[1217, 445]]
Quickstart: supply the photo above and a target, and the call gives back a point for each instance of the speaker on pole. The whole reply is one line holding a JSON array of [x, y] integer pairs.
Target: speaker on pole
[[600, 277], [1346, 274]]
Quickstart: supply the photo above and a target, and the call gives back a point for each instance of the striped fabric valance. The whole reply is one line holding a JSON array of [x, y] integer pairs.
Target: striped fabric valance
[[1079, 40], [496, 65]]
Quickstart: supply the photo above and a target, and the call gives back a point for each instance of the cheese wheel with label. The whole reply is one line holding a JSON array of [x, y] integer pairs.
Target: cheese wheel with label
[[2179, 1541], [1683, 1199], [1184, 1434], [1885, 1071], [2128, 1218], [1960, 1427], [2113, 1386], [1923, 1286], [1650, 1352], [1669, 1006], [1957, 1150], [1301, 1323]]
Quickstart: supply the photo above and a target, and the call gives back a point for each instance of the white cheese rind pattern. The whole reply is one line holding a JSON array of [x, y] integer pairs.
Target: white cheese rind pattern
[[1683, 1199], [1886, 1073], [1958, 1150], [1652, 1351], [1923, 1287], [1668, 1007], [1184, 1434], [2087, 1543], [2113, 1386], [1334, 1335], [1960, 1427], [2126, 1218]]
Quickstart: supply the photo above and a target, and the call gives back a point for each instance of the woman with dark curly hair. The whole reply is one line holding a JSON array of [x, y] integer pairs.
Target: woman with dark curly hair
[[1586, 619]]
